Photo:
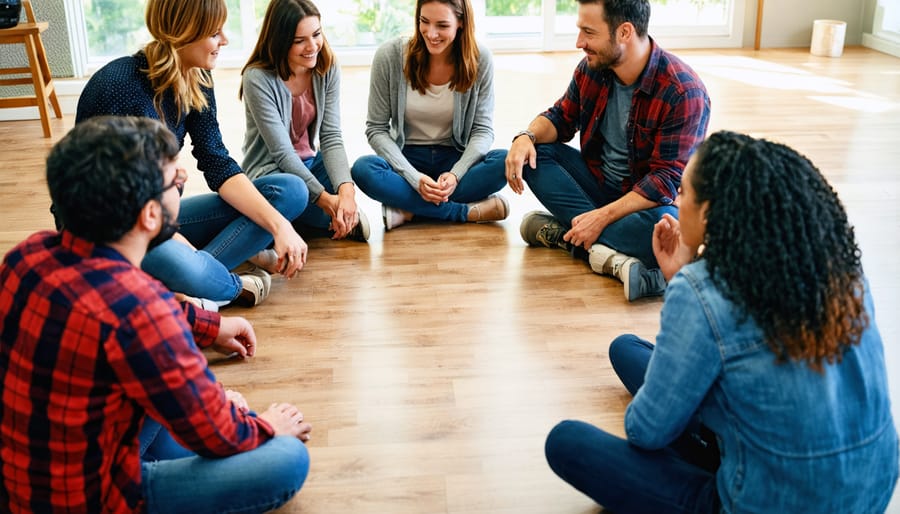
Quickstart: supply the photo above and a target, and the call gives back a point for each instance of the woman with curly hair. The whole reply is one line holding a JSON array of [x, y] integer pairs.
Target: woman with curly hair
[[766, 390], [430, 120], [170, 80], [291, 88]]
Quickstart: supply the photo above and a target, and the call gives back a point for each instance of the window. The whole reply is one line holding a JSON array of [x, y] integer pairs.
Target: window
[[112, 28]]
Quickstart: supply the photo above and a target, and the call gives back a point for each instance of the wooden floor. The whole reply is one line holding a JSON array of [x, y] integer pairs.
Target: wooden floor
[[433, 361]]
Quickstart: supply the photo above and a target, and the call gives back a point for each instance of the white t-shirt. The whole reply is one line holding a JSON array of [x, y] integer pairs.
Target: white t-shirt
[[429, 117]]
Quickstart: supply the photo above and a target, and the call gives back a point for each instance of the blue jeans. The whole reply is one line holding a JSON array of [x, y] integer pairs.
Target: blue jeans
[[625, 478], [225, 238], [258, 480], [313, 215], [157, 443], [566, 187], [380, 182]]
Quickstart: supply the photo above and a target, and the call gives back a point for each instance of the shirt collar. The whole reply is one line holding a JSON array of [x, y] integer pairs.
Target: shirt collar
[[86, 249], [647, 78]]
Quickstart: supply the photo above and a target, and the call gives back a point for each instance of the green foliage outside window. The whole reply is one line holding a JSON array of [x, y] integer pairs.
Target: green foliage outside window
[[563, 7], [114, 27], [382, 20], [514, 7]]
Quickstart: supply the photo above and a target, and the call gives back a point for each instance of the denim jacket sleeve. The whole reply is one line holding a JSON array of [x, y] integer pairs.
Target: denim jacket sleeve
[[683, 368]]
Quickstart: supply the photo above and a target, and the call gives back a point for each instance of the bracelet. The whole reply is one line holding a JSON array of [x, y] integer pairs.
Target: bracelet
[[525, 132]]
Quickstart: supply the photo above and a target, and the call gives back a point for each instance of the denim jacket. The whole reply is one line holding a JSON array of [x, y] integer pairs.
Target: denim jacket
[[791, 439]]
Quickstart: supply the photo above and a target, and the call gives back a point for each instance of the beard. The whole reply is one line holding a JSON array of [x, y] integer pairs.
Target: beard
[[605, 58], [169, 228]]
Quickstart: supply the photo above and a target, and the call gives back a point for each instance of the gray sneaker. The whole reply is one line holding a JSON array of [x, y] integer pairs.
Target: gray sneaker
[[637, 279], [540, 228]]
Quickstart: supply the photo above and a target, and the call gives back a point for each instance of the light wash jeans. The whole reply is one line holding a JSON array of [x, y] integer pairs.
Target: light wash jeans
[[566, 187], [259, 480], [225, 238], [380, 182]]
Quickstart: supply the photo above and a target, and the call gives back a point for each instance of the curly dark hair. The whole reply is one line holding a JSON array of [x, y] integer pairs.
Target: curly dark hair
[[778, 245], [103, 172]]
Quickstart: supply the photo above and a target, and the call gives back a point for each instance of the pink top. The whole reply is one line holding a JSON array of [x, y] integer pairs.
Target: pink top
[[303, 112]]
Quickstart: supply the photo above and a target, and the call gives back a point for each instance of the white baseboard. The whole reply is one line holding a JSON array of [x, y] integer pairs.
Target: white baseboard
[[881, 44], [67, 91]]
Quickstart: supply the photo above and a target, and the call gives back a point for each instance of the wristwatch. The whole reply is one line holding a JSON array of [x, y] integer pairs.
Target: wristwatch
[[525, 132]]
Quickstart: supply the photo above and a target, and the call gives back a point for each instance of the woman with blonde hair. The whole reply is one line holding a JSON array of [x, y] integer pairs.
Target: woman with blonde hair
[[430, 122], [291, 91], [170, 80]]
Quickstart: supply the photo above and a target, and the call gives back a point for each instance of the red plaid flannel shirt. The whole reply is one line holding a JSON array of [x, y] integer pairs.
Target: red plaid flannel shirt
[[89, 345], [668, 120]]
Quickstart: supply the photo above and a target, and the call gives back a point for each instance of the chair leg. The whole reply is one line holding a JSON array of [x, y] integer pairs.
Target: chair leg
[[48, 77], [40, 90]]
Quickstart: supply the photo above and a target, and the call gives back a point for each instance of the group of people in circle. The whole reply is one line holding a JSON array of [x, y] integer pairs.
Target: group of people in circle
[[766, 388]]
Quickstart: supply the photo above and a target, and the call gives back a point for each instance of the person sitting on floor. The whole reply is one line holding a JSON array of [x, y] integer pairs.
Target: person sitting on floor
[[91, 347]]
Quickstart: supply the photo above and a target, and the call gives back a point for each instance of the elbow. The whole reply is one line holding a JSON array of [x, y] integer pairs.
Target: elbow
[[645, 434]]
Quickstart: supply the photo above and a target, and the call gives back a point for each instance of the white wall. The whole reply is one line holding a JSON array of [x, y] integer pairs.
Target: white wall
[[788, 23]]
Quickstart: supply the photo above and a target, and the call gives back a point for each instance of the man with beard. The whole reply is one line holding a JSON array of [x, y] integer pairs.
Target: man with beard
[[641, 112], [91, 347]]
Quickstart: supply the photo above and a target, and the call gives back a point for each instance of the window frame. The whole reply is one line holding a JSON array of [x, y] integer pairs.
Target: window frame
[[728, 35]]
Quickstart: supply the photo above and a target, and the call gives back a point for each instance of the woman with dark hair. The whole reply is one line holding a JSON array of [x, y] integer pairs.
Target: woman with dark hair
[[291, 91], [169, 80], [430, 120], [766, 390]]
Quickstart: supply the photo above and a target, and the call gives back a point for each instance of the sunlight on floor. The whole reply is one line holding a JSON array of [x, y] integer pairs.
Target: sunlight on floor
[[763, 74]]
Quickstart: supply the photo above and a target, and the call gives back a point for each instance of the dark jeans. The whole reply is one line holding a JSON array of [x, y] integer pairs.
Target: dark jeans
[[566, 187], [627, 479]]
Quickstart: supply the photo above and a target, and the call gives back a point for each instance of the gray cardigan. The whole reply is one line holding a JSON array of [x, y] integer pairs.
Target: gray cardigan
[[267, 141], [473, 112]]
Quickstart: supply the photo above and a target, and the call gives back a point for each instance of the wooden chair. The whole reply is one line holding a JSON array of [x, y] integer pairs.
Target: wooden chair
[[28, 33]]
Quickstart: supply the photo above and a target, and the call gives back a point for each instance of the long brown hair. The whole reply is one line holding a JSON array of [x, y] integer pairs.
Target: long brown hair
[[174, 24], [465, 50], [276, 37]]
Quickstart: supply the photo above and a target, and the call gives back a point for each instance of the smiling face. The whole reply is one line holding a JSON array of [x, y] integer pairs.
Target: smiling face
[[595, 38], [438, 25], [203, 52], [308, 41]]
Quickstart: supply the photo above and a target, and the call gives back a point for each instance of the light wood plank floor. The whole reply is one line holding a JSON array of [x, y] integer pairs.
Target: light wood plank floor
[[434, 360]]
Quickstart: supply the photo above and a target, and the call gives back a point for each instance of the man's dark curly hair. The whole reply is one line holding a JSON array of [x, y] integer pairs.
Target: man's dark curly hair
[[778, 245], [617, 12], [103, 172]]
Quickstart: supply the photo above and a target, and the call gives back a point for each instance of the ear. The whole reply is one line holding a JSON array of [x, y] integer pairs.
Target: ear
[[704, 209], [150, 218], [625, 31]]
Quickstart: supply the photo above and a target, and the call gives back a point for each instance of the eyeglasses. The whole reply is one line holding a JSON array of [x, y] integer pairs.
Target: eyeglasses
[[181, 177]]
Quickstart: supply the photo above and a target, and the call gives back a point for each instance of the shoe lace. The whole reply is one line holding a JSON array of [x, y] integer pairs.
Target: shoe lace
[[550, 234]]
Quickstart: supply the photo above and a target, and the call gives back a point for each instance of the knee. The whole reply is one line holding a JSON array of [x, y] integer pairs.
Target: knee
[[365, 167], [287, 193], [620, 347], [290, 462], [561, 443], [496, 157]]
